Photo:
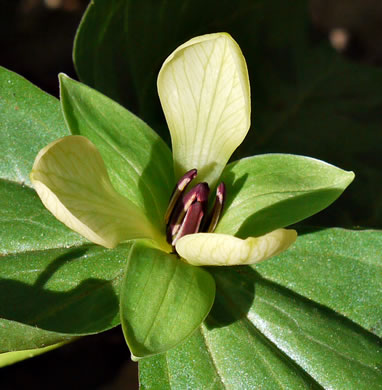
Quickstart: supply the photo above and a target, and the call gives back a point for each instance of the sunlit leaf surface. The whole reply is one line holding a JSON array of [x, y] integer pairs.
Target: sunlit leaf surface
[[261, 334]]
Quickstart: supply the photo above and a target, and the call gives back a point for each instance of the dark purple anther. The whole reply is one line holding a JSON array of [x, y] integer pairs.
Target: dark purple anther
[[198, 195], [180, 187], [217, 209], [191, 222], [186, 212]]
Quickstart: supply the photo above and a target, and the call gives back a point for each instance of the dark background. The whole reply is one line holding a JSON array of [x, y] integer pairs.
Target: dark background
[[36, 42]]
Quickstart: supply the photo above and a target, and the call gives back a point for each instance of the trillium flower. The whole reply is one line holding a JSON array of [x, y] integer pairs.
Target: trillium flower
[[111, 182], [205, 94]]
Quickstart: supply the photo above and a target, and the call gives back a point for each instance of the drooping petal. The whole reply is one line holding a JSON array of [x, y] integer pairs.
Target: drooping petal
[[138, 160], [70, 177], [204, 90], [223, 249]]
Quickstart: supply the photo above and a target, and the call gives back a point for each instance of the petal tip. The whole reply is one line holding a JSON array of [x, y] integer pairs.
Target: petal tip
[[72, 182], [204, 90]]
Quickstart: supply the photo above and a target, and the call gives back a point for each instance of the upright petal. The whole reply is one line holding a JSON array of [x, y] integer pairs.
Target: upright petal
[[70, 177], [223, 249], [204, 90]]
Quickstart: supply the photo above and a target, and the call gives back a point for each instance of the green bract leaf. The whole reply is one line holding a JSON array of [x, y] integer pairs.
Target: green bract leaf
[[204, 90], [271, 191], [29, 120], [251, 362], [139, 163], [261, 335], [26, 225], [71, 179], [163, 300], [223, 249], [338, 268], [9, 358], [50, 286], [66, 291], [15, 336]]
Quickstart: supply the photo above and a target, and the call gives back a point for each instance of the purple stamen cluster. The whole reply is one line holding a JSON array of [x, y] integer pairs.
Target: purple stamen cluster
[[187, 212]]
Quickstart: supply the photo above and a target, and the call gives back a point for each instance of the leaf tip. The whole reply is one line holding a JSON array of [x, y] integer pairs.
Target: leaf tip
[[63, 76], [135, 358], [348, 178], [351, 175]]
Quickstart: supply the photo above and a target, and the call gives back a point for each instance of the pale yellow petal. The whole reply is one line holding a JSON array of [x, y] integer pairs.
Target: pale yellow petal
[[70, 177], [223, 249], [204, 90]]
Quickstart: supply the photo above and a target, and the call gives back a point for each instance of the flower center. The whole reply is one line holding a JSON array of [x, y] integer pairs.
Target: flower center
[[187, 211]]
